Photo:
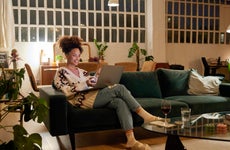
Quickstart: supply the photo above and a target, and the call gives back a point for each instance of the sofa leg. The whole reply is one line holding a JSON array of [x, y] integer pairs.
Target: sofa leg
[[72, 140]]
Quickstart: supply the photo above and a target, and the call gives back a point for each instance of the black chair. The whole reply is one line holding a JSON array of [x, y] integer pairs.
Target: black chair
[[210, 70]]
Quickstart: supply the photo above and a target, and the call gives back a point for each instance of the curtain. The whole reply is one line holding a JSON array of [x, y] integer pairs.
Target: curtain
[[7, 35]]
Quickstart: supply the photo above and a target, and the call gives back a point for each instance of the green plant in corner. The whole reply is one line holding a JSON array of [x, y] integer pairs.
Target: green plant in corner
[[101, 48], [32, 108], [136, 50]]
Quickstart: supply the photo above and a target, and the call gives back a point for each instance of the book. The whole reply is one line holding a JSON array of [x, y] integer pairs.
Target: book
[[162, 124]]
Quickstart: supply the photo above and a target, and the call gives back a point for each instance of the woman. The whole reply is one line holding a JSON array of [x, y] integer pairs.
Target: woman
[[71, 80]]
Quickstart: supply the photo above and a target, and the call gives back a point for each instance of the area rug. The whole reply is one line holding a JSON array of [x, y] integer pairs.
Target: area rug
[[198, 144]]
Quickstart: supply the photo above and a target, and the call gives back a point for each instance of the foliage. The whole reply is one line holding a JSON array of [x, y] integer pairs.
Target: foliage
[[101, 48], [149, 58], [136, 50], [228, 63], [11, 84], [59, 58], [33, 108], [22, 140]]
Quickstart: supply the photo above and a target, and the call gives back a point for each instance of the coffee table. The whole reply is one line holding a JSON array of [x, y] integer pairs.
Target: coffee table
[[205, 127]]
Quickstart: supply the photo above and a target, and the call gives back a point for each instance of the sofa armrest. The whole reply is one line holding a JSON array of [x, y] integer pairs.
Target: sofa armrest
[[224, 89], [56, 121]]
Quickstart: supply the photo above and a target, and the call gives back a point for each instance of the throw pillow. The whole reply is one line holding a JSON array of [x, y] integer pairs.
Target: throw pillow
[[200, 85], [141, 84], [173, 82]]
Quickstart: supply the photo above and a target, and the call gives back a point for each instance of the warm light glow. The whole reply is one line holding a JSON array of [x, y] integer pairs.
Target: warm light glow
[[113, 3], [228, 29]]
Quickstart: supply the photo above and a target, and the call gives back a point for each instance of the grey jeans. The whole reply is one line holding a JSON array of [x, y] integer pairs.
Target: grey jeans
[[120, 99]]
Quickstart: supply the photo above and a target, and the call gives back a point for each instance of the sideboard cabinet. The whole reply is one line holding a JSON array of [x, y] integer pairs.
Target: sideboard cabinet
[[47, 73]]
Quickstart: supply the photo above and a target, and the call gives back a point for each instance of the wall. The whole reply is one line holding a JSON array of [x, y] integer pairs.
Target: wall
[[190, 55], [158, 34]]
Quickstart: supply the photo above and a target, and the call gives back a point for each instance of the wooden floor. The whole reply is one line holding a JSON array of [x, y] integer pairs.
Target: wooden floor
[[103, 140]]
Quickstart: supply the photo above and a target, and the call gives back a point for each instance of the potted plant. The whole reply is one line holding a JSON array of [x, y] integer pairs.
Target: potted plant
[[149, 58], [59, 58], [136, 50], [101, 48], [14, 58], [31, 107]]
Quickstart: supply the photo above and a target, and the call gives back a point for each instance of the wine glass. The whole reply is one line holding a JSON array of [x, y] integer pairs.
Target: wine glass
[[165, 108]]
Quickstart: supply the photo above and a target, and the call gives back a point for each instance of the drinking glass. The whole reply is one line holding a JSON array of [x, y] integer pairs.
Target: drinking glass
[[185, 116], [165, 108]]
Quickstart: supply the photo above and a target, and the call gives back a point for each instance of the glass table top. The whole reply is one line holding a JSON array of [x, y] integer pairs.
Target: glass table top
[[213, 126]]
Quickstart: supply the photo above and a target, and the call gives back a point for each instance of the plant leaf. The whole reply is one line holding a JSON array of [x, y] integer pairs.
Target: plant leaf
[[143, 52], [23, 141], [19, 131], [132, 51], [40, 109], [36, 138]]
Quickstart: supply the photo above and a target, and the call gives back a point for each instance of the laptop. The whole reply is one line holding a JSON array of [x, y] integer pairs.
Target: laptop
[[109, 75]]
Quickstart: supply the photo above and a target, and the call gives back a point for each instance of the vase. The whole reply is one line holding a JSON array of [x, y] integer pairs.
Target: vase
[[101, 58], [15, 65]]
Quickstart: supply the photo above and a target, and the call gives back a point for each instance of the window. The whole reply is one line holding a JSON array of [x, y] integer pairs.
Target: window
[[47, 20], [195, 21]]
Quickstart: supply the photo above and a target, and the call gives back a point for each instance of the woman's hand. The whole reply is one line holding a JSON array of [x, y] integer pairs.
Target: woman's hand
[[92, 81]]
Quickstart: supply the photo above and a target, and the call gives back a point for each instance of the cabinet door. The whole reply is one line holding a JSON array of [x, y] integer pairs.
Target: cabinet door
[[47, 74]]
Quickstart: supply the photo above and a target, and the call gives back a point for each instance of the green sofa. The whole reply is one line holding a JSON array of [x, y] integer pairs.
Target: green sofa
[[149, 88]]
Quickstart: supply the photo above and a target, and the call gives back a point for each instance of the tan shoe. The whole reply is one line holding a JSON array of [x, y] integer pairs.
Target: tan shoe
[[140, 146], [153, 118]]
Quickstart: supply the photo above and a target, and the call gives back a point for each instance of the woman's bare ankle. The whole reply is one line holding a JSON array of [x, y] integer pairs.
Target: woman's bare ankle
[[130, 143]]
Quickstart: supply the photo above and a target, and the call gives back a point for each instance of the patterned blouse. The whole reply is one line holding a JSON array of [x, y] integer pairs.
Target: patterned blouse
[[72, 86]]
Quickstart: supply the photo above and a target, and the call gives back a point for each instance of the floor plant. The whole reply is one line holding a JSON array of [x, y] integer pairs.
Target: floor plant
[[30, 106]]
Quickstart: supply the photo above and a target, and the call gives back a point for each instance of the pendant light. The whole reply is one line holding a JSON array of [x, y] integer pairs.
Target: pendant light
[[113, 3]]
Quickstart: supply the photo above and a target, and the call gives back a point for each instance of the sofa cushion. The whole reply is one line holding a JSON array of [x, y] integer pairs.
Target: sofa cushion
[[153, 106], [204, 103], [200, 85], [173, 82], [141, 84]]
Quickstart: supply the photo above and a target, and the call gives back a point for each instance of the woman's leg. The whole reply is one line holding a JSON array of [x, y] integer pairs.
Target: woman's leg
[[116, 98], [105, 95], [123, 113], [120, 91], [126, 122]]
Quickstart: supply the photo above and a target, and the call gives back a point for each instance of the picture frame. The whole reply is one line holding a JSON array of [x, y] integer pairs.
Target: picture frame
[[4, 59]]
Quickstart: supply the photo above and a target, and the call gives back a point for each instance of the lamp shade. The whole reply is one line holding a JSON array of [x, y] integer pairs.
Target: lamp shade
[[228, 29], [113, 3]]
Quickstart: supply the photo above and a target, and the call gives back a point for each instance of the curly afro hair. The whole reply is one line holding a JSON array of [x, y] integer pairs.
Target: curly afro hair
[[67, 43]]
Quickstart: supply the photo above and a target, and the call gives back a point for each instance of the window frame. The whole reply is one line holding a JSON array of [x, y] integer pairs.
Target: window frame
[[200, 25], [51, 20]]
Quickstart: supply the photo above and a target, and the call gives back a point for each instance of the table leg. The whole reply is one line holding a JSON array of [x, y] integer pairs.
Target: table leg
[[174, 143]]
